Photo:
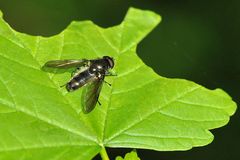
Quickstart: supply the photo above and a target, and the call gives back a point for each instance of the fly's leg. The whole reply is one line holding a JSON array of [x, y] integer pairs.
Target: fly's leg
[[110, 74], [107, 83], [63, 85], [98, 101]]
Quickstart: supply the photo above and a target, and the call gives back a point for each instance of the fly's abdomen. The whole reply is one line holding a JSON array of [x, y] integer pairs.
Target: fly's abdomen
[[79, 80]]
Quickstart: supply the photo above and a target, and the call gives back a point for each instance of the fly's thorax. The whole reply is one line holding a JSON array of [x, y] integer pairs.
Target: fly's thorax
[[97, 68]]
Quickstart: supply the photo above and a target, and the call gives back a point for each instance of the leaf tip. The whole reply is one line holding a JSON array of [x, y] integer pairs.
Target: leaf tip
[[232, 106], [78, 25], [155, 18]]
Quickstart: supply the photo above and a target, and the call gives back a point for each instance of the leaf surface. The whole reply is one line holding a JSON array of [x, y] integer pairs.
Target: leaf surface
[[140, 110]]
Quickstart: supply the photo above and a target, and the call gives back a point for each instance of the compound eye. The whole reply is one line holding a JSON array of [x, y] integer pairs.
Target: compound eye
[[111, 62]]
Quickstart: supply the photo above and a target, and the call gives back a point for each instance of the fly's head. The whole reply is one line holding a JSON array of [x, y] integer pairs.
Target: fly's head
[[109, 60]]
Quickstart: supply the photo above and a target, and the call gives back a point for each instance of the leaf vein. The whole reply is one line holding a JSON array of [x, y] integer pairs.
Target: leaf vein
[[14, 148], [136, 87], [184, 119], [164, 137], [150, 114], [106, 40]]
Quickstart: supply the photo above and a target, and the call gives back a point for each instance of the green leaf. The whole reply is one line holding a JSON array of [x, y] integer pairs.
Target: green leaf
[[40, 120], [129, 156]]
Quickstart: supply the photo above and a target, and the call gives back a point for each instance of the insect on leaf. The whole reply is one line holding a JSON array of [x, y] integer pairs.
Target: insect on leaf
[[40, 120]]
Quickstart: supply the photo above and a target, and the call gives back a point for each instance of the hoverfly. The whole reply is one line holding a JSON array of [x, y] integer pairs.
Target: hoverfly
[[87, 73]]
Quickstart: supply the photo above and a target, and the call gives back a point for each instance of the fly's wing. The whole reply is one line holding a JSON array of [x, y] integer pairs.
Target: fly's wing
[[90, 94], [64, 64]]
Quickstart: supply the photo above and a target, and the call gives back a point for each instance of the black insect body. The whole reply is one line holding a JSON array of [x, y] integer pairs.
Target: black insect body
[[89, 73]]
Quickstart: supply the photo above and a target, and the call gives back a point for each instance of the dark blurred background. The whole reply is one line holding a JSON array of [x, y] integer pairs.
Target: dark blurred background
[[197, 40]]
